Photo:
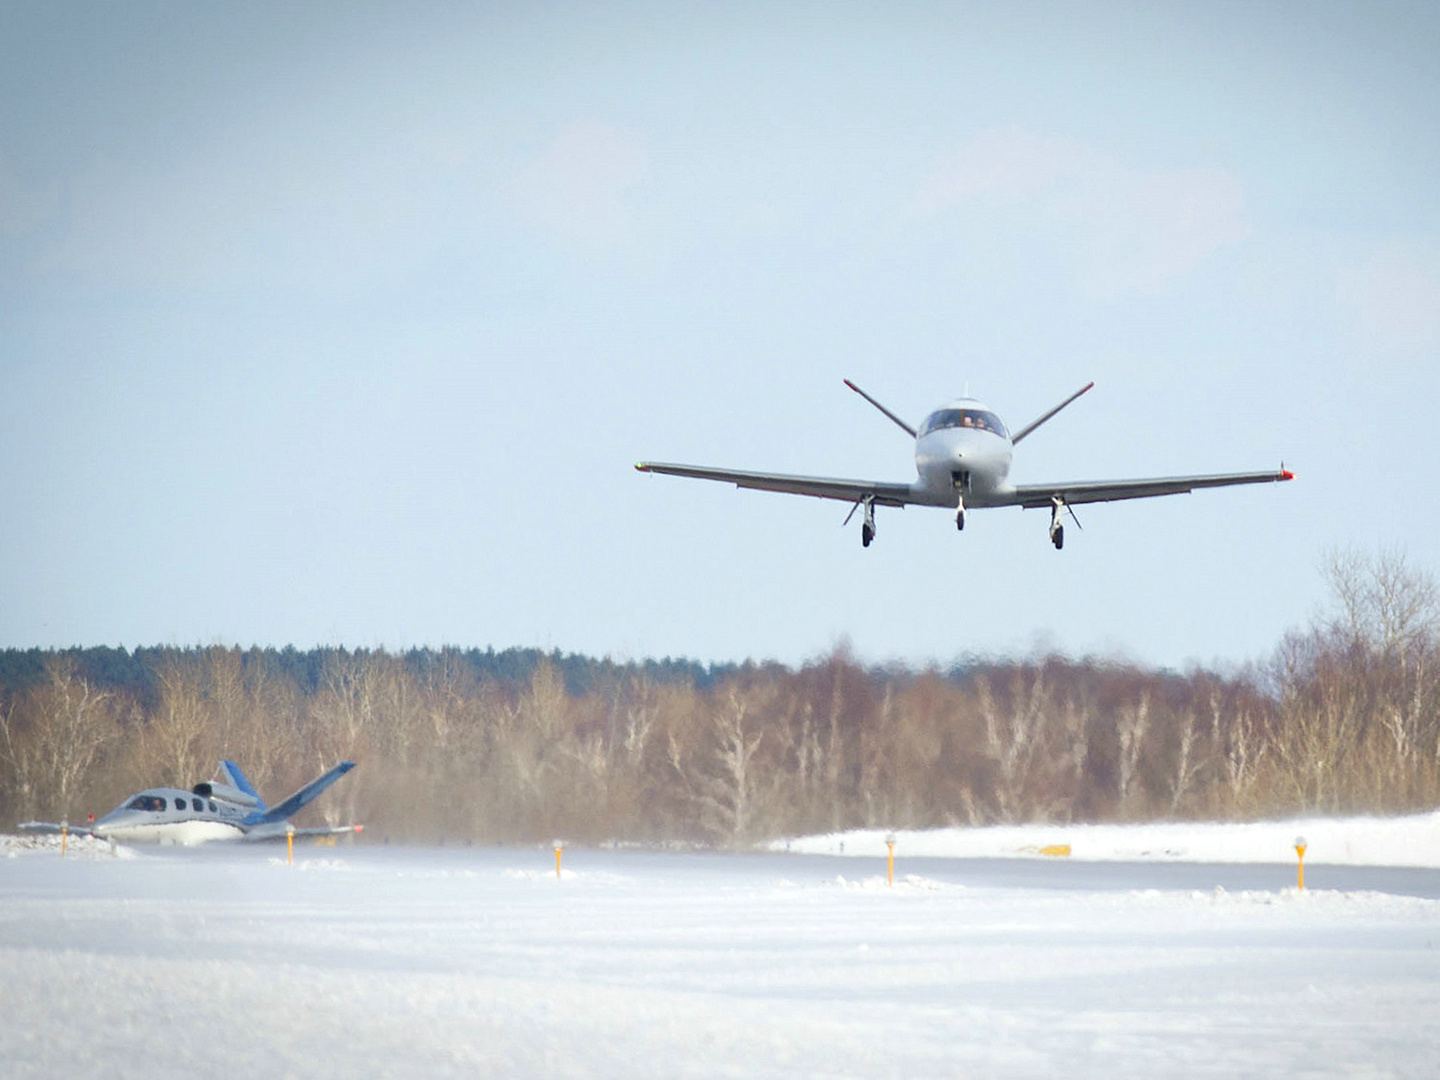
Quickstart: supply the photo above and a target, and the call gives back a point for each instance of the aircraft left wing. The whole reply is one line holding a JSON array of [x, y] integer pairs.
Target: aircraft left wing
[[1031, 496], [53, 828], [820, 487]]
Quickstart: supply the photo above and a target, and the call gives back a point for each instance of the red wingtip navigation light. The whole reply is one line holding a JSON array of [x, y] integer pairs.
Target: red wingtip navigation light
[[1286, 474]]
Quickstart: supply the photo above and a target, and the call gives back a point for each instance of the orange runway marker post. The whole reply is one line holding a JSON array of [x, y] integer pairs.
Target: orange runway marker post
[[890, 860], [559, 847], [64, 836], [1300, 871], [289, 845]]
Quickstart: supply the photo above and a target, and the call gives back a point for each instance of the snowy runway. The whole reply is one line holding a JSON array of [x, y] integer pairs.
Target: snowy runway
[[371, 961]]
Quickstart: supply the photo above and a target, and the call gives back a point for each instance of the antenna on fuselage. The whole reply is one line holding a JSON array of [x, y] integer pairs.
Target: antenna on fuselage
[[895, 419], [1028, 428]]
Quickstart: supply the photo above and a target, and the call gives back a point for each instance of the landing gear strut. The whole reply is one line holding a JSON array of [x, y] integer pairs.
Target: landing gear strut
[[867, 526], [1057, 530]]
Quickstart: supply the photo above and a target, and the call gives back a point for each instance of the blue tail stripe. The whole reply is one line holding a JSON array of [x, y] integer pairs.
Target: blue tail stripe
[[241, 781]]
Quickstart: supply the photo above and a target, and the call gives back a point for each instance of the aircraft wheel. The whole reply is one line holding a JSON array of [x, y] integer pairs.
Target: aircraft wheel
[[1060, 538], [866, 535]]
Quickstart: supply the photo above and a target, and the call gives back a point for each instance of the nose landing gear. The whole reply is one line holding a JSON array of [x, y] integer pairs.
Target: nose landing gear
[[961, 480]]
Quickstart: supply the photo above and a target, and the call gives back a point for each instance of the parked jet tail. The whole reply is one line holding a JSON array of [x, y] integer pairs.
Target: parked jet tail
[[240, 782], [292, 806]]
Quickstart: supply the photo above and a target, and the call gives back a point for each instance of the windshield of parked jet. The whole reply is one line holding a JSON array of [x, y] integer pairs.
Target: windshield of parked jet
[[964, 418], [147, 802]]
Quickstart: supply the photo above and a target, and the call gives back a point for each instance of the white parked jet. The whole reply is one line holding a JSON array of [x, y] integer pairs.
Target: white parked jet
[[227, 809], [962, 456]]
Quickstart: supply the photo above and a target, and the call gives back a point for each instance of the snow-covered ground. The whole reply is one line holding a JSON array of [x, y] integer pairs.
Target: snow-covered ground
[[1361, 841], [371, 961]]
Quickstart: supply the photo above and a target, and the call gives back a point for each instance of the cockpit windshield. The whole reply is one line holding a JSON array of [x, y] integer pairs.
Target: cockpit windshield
[[146, 802], [964, 418]]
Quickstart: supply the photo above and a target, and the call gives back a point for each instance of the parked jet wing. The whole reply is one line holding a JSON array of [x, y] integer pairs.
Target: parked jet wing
[[1036, 495], [274, 831], [821, 487], [54, 828]]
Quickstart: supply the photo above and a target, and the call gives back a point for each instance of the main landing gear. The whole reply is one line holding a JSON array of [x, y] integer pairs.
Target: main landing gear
[[867, 526], [1057, 530]]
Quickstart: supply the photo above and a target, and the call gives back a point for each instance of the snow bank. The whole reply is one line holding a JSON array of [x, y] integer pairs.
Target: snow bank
[[77, 847], [387, 961], [1362, 841]]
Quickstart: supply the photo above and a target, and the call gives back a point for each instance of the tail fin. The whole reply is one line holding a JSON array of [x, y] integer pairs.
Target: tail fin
[[235, 778], [1028, 428], [291, 806]]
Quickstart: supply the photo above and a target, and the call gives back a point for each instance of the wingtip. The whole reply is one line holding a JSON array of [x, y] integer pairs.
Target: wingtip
[[642, 466], [1286, 474]]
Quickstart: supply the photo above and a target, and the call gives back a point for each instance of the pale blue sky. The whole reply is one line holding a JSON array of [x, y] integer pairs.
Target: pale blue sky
[[328, 323]]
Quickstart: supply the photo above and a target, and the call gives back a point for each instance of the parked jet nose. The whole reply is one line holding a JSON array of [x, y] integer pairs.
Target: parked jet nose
[[117, 818]]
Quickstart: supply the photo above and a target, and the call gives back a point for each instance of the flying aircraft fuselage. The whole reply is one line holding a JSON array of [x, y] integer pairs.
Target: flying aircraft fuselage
[[963, 450]]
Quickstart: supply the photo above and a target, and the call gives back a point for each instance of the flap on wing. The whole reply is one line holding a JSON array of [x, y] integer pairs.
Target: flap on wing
[[820, 487], [1037, 495]]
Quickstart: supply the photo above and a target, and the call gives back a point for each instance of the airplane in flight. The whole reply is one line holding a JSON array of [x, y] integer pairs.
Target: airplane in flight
[[225, 809], [962, 458]]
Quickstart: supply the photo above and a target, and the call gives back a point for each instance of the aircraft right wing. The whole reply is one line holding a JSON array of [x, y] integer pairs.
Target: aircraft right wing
[[820, 487], [330, 830], [274, 831]]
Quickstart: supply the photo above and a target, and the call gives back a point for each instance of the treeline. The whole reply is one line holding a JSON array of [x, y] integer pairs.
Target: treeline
[[135, 672], [523, 746]]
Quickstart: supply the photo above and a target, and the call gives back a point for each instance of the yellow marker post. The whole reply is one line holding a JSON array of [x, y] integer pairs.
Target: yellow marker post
[[1300, 871], [289, 845], [64, 836], [559, 847], [890, 861]]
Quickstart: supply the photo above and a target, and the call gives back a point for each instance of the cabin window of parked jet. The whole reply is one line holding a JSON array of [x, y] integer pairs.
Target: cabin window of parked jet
[[212, 806], [146, 802], [964, 418], [197, 805], [179, 803]]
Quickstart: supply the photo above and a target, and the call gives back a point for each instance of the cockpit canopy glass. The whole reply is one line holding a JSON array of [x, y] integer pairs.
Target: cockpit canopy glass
[[146, 802], [964, 418]]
